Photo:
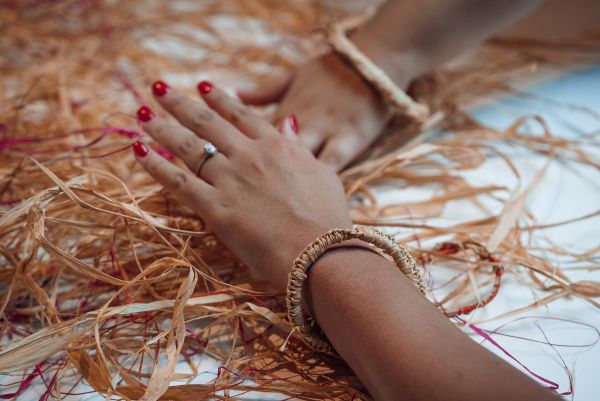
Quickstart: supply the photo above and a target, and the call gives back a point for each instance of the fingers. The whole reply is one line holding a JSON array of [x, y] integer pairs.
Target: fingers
[[199, 118], [341, 150], [182, 142], [235, 112], [195, 193], [268, 93]]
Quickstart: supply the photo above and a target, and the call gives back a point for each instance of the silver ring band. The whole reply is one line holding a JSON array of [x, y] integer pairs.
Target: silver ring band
[[209, 151]]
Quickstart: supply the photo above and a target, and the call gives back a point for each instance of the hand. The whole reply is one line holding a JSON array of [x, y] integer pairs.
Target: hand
[[338, 113], [265, 196]]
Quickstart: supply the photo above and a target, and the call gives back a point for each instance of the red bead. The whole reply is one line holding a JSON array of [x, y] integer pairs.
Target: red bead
[[204, 87], [159, 88], [140, 149], [294, 123], [145, 114]]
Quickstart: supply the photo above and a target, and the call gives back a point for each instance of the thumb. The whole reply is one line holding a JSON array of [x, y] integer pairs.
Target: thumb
[[270, 92]]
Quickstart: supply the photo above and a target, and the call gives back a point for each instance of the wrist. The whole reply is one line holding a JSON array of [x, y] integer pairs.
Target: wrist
[[339, 269], [329, 270], [400, 64], [296, 241]]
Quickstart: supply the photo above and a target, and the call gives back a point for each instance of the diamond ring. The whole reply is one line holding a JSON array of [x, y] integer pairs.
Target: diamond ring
[[209, 151]]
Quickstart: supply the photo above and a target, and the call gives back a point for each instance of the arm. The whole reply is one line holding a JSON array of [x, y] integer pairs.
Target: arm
[[266, 198], [338, 113], [410, 38], [400, 345]]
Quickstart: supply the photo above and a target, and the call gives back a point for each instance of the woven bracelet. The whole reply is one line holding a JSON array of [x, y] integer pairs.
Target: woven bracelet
[[307, 329], [371, 73]]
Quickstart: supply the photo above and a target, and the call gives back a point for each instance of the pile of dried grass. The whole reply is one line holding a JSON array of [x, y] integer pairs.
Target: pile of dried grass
[[106, 277]]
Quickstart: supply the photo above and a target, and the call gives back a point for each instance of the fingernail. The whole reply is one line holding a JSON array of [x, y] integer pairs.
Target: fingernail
[[159, 88], [288, 128], [294, 123], [204, 87], [140, 149], [144, 114]]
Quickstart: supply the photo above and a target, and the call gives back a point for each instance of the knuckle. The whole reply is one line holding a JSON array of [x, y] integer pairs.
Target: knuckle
[[244, 155], [237, 114], [201, 117], [177, 181], [163, 130], [252, 161], [189, 145]]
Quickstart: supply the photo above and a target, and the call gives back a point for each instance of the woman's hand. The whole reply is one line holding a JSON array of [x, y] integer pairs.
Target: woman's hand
[[264, 195], [339, 114]]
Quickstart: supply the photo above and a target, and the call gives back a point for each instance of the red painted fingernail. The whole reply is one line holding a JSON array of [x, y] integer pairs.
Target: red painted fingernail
[[294, 123], [159, 88], [140, 149], [144, 114], [204, 87]]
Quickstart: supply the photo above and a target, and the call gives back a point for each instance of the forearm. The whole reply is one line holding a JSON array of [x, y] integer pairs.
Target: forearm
[[408, 38], [397, 342]]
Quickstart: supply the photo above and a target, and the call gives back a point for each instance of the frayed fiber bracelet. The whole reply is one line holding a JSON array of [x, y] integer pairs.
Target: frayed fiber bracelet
[[370, 72], [307, 329]]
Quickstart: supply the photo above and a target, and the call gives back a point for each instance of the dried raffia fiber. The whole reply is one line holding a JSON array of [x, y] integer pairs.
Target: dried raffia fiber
[[105, 276]]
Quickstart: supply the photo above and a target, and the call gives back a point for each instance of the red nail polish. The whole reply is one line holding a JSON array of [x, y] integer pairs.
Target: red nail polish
[[140, 149], [204, 87], [145, 114], [294, 123], [159, 88]]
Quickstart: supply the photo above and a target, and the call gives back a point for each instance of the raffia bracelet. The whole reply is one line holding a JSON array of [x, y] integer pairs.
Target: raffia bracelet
[[307, 329], [375, 76]]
